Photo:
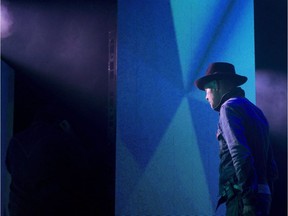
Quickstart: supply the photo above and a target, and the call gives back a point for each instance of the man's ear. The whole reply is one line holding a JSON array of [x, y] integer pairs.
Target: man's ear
[[217, 85]]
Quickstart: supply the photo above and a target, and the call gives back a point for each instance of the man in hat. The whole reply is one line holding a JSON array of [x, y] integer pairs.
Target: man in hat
[[247, 167]]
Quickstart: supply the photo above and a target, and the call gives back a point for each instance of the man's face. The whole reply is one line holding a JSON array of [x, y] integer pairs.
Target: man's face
[[213, 95]]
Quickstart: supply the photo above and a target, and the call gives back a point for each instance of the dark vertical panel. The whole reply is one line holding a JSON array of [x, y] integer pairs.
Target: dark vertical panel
[[271, 85], [7, 107], [271, 34]]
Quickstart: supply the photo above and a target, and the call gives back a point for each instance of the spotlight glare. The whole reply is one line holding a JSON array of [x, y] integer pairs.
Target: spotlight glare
[[6, 21]]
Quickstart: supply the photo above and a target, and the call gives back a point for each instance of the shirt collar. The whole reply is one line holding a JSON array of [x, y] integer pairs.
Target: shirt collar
[[235, 92]]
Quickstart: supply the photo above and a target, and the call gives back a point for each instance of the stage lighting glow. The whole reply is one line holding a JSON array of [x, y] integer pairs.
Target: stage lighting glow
[[6, 21]]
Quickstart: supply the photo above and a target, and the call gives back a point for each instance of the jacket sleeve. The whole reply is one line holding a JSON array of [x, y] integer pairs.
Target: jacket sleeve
[[233, 126]]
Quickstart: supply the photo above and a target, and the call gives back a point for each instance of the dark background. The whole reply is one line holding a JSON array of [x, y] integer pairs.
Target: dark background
[[271, 85], [59, 51]]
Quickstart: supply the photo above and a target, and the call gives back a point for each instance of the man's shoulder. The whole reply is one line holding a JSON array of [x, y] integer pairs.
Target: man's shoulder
[[241, 105], [238, 105], [236, 101]]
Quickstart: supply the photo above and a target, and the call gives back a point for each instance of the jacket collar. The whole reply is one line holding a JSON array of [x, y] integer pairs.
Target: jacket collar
[[235, 92]]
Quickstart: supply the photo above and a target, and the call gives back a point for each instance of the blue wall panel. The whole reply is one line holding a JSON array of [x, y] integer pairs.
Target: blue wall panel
[[167, 154]]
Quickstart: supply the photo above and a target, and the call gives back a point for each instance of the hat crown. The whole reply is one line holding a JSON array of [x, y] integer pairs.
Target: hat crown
[[220, 71], [221, 68]]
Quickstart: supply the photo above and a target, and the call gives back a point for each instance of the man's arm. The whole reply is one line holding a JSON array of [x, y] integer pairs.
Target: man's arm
[[234, 133]]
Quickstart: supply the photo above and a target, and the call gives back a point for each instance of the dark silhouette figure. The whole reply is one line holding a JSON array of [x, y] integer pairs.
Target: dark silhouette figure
[[47, 164]]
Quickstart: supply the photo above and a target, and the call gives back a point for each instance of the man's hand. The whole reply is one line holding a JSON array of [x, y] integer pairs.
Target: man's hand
[[249, 210]]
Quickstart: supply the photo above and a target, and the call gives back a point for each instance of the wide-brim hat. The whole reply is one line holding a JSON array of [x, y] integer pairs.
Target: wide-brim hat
[[220, 71]]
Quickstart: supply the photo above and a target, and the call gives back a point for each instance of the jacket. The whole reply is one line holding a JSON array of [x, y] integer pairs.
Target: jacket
[[245, 151]]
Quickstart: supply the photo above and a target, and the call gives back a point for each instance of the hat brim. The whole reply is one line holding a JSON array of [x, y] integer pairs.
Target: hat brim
[[237, 79]]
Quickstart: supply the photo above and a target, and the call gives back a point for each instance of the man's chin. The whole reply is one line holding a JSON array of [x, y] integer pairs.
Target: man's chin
[[213, 107]]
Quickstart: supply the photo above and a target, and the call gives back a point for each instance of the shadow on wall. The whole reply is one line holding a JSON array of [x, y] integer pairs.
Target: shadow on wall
[[271, 97]]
